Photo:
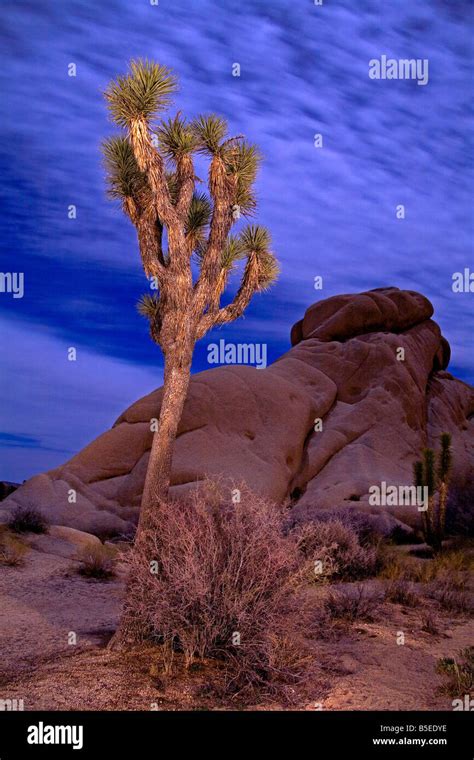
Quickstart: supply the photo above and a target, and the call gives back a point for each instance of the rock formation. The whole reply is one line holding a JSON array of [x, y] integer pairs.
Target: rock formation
[[371, 367]]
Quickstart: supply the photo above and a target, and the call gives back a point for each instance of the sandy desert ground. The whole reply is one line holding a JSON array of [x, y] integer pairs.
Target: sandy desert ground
[[358, 665]]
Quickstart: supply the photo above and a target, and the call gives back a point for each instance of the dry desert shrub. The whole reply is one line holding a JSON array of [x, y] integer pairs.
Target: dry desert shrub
[[429, 624], [452, 599], [97, 561], [445, 578], [334, 551], [395, 565], [451, 565], [217, 579], [402, 592], [28, 519], [12, 551], [459, 673], [352, 603]]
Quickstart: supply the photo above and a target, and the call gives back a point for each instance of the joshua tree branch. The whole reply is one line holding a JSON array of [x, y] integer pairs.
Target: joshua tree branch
[[185, 181], [149, 232], [221, 223], [215, 295], [151, 163], [150, 248], [236, 308]]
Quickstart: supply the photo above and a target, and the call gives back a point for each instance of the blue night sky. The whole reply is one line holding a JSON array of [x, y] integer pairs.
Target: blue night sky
[[331, 211]]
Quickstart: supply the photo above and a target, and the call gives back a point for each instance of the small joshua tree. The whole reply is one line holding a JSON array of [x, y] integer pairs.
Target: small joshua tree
[[184, 234], [435, 477]]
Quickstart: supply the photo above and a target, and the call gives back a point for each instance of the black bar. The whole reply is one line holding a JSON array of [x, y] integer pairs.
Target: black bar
[[166, 734]]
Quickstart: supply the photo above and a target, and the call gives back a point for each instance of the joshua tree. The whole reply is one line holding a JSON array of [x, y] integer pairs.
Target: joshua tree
[[184, 234], [436, 479]]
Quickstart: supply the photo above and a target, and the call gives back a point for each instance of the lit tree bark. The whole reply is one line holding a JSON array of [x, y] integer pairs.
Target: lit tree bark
[[175, 388]]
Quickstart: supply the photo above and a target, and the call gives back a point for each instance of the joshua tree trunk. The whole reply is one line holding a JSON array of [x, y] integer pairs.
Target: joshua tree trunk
[[175, 388], [157, 481]]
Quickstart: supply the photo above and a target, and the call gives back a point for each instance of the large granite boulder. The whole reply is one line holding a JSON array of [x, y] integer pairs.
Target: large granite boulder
[[352, 403]]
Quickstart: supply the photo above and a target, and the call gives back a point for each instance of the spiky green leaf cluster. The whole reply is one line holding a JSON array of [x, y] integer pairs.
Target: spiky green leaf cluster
[[199, 216], [141, 93], [268, 270], [429, 470], [418, 474], [255, 239], [124, 178], [232, 253], [172, 184], [210, 131], [242, 161], [148, 306], [434, 473], [176, 138], [444, 457]]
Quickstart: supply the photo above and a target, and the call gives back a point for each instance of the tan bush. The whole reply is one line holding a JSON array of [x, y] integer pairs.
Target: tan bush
[[402, 592], [459, 672], [352, 603], [97, 561], [453, 566], [213, 578], [429, 623], [451, 599], [12, 551], [333, 551]]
